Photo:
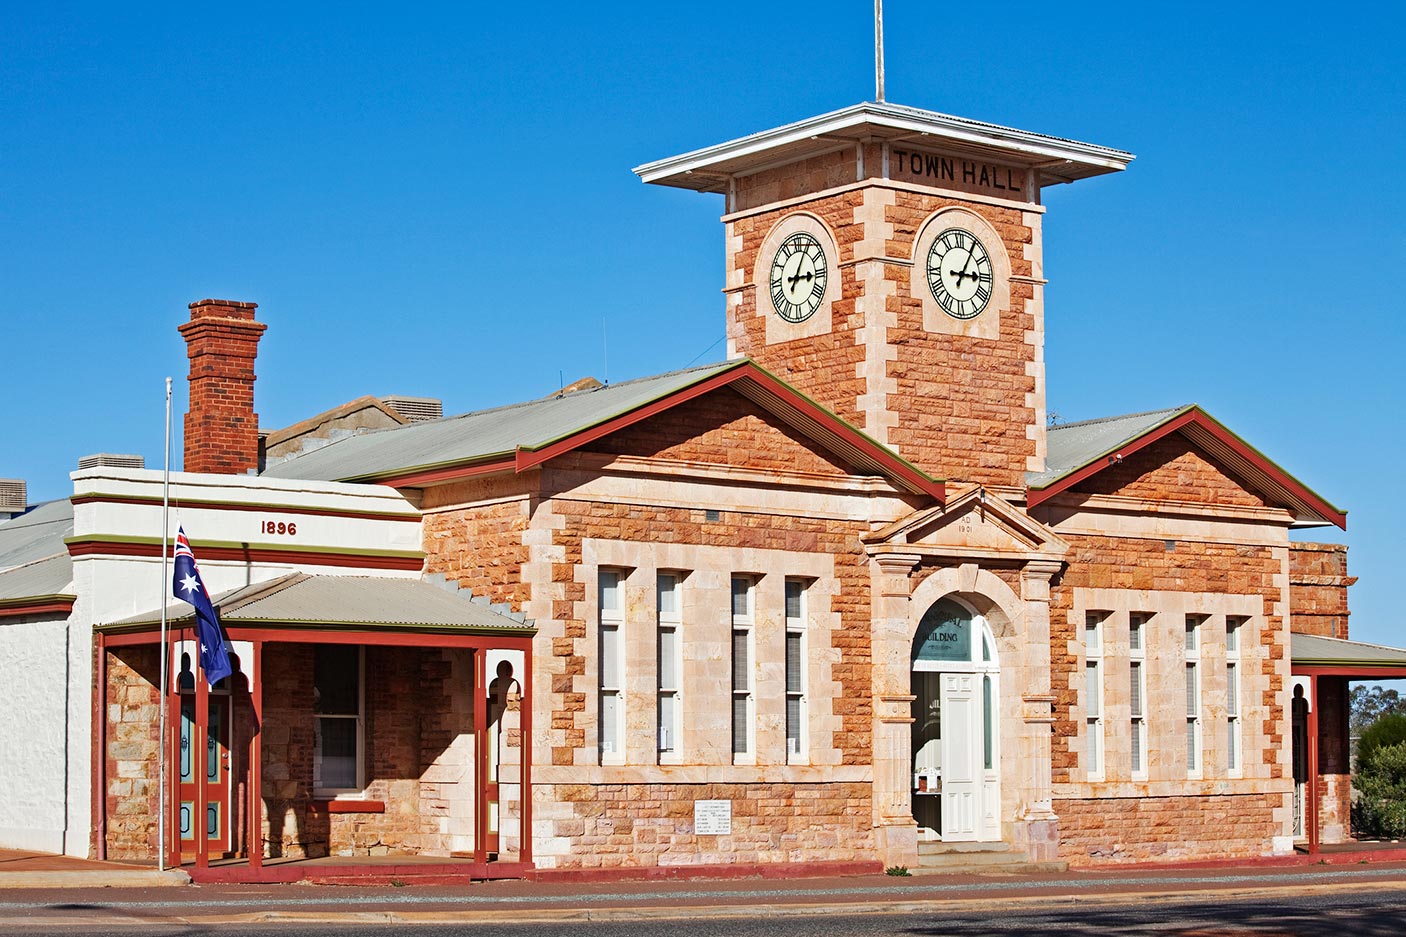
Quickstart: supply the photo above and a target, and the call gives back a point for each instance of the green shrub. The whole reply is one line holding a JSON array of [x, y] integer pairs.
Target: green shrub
[[1381, 807]]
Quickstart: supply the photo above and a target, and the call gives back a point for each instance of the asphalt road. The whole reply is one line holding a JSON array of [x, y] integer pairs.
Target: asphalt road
[[1363, 912]]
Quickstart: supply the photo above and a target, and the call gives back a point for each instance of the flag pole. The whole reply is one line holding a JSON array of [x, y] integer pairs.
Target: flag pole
[[165, 651], [879, 51]]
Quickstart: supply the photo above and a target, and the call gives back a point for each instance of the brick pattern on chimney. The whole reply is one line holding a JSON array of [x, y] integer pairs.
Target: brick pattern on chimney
[[221, 427]]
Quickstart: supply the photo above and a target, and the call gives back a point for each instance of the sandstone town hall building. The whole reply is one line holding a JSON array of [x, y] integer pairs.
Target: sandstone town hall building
[[844, 599]]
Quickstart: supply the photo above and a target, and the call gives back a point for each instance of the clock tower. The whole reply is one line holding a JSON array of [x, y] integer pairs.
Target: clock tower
[[886, 261]]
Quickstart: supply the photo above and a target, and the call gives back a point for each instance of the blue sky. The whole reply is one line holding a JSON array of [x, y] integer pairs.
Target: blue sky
[[437, 200]]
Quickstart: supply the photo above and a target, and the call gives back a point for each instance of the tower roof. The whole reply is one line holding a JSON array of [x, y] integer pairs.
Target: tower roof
[[1056, 159]]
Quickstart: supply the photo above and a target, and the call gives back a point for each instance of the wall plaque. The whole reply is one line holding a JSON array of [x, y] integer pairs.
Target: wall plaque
[[712, 817]]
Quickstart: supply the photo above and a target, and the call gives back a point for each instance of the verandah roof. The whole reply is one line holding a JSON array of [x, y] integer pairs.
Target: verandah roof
[[300, 600], [1340, 657]]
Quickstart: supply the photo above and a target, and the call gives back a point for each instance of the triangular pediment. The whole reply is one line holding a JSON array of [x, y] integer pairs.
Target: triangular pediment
[[1113, 447], [973, 524]]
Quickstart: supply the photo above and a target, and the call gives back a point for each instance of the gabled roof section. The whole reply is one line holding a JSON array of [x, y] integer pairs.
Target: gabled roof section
[[1077, 451], [1056, 159], [350, 602], [277, 436], [522, 436], [36, 534]]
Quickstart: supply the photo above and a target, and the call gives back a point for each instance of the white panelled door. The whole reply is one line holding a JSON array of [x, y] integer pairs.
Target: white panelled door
[[961, 757]]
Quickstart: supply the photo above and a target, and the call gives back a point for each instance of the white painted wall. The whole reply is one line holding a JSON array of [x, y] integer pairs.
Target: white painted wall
[[33, 733]]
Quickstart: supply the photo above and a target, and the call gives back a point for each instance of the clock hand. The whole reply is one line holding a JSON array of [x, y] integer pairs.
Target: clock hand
[[971, 255]]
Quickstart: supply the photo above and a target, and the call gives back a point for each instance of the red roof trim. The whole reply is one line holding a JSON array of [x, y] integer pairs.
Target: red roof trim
[[778, 391], [262, 508], [251, 554], [1206, 423], [528, 458], [37, 608], [1038, 495]]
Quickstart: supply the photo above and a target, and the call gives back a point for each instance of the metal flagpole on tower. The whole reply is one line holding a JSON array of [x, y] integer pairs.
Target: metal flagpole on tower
[[879, 50], [165, 651]]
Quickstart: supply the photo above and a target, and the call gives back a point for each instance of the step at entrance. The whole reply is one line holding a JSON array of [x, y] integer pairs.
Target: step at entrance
[[938, 858]]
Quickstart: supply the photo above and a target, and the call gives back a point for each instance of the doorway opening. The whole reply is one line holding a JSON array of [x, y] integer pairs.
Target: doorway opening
[[956, 732]]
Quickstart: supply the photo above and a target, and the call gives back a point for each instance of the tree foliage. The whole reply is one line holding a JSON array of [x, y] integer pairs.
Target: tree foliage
[[1387, 731], [1380, 809], [1367, 704]]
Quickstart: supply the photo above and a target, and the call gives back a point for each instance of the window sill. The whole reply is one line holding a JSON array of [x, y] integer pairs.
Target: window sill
[[339, 805]]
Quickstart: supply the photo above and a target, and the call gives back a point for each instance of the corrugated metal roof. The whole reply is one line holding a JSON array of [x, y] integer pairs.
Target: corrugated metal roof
[[1312, 649], [347, 602], [51, 576], [1071, 446], [483, 434], [38, 533]]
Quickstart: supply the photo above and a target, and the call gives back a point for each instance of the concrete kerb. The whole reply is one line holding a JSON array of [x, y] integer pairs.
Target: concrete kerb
[[94, 878]]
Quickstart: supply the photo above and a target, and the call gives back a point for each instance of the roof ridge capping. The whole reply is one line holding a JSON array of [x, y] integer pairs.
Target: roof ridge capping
[[1123, 416]]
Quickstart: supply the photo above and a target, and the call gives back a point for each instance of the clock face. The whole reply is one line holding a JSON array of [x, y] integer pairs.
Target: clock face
[[798, 277], [959, 273]]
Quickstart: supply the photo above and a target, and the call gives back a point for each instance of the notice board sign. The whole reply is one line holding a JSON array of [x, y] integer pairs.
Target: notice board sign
[[712, 817]]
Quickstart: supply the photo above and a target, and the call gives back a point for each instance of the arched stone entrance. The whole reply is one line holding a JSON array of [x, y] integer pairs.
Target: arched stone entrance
[[956, 726]]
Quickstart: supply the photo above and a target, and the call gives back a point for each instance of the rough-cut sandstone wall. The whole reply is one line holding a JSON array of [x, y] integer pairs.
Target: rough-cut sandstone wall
[[827, 367], [481, 547], [962, 401], [1172, 469], [133, 712], [795, 180], [722, 428], [1163, 828], [1318, 582], [629, 825]]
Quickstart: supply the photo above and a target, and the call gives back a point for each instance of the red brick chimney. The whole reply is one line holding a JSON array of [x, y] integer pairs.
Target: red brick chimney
[[222, 429]]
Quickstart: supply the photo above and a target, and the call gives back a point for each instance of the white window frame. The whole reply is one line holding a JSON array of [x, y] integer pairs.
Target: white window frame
[[610, 621], [1093, 690], [1195, 753], [670, 695], [1137, 682], [744, 690], [1234, 754], [797, 682], [318, 789]]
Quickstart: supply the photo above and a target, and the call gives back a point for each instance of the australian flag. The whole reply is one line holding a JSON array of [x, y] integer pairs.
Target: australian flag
[[186, 585]]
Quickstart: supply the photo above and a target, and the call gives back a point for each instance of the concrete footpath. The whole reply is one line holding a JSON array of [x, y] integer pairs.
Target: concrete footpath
[[51, 889]]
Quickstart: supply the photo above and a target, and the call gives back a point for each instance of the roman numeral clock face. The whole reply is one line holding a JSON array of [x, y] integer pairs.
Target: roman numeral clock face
[[798, 277], [959, 273]]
